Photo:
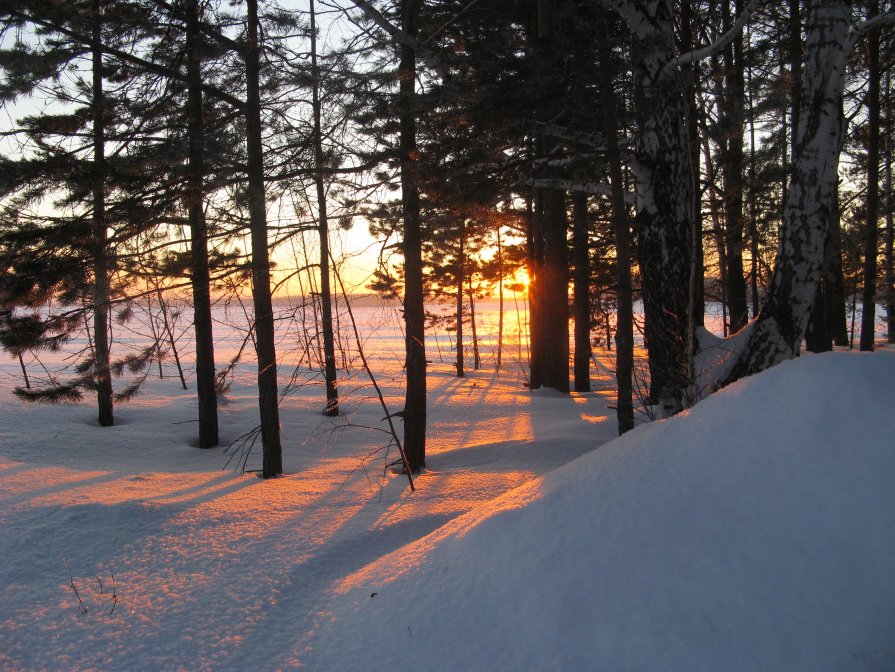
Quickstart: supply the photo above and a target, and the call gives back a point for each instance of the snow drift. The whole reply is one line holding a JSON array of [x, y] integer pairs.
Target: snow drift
[[755, 532]]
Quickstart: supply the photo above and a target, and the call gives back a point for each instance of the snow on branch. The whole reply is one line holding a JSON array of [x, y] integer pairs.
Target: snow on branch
[[575, 185], [401, 37], [706, 51], [631, 13], [856, 33], [865, 27], [563, 133]]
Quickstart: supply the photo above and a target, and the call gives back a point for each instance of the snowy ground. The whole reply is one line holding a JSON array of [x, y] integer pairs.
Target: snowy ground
[[755, 532]]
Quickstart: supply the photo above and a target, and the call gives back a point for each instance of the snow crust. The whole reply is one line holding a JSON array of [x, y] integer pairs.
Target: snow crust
[[756, 531]]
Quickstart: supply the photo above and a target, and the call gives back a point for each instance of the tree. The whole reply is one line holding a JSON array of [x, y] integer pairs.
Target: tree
[[664, 221], [733, 125], [871, 246], [199, 277], [326, 313], [414, 313], [265, 347], [581, 293], [102, 373], [405, 37], [780, 326], [624, 337], [67, 167]]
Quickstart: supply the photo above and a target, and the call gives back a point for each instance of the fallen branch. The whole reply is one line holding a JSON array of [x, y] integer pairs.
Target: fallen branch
[[363, 357]]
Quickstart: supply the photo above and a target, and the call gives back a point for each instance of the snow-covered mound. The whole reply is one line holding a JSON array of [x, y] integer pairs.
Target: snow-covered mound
[[756, 532]]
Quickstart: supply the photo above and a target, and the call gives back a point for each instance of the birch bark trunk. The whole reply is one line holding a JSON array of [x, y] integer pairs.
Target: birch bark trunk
[[781, 324], [664, 186]]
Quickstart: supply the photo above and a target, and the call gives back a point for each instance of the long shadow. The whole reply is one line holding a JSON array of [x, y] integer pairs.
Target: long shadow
[[205, 491], [509, 455], [34, 493], [309, 586]]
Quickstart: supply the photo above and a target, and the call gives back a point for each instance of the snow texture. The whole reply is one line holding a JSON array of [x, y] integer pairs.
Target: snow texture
[[756, 531]]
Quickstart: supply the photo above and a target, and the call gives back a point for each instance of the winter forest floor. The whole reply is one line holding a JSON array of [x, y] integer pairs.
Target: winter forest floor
[[125, 548]]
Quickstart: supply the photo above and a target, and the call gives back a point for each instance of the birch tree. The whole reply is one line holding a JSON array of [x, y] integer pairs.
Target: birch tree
[[664, 186], [777, 332]]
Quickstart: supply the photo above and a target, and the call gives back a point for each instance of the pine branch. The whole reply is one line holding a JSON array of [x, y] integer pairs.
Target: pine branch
[[57, 394]]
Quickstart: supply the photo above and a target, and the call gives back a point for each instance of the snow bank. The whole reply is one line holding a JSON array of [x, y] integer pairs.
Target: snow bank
[[756, 532]]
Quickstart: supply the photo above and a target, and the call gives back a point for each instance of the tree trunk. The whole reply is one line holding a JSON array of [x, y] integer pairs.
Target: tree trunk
[[795, 73], [753, 206], [890, 225], [664, 184], [102, 373], [414, 313], [733, 178], [500, 301], [834, 280], [199, 274], [535, 258], [692, 125], [461, 272], [581, 292], [326, 311], [272, 453], [717, 229], [553, 280], [476, 355], [828, 324], [624, 336], [810, 204], [549, 317], [871, 241]]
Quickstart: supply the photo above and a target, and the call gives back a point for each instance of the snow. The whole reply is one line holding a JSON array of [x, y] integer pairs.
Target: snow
[[755, 531]]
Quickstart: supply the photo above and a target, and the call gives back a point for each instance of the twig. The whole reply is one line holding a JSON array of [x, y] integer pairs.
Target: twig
[[363, 358], [114, 595], [71, 582]]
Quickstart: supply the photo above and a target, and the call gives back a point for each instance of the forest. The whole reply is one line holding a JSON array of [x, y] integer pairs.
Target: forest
[[622, 162]]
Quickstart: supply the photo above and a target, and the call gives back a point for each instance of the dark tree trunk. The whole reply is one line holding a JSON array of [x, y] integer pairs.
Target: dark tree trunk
[[580, 243], [688, 43], [326, 310], [834, 280], [624, 335], [890, 225], [102, 377], [553, 281], [549, 319], [535, 260], [871, 241], [200, 278], [795, 72], [272, 453], [500, 301], [753, 206], [828, 324], [461, 272], [414, 313], [733, 179], [476, 355]]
